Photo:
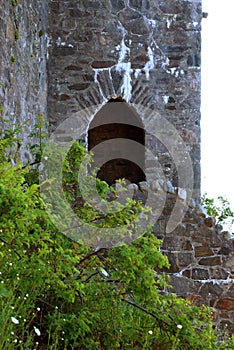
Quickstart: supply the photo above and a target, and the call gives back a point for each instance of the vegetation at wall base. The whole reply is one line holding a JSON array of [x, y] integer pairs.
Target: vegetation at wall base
[[58, 294]]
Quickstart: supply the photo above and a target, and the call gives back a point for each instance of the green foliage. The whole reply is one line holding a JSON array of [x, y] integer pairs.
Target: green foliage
[[56, 293], [41, 33], [14, 2], [16, 34], [219, 208], [39, 135], [13, 59]]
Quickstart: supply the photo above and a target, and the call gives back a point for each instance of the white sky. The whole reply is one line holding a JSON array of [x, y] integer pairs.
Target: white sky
[[217, 123]]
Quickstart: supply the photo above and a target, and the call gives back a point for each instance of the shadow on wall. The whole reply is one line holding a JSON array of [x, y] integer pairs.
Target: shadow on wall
[[116, 137]]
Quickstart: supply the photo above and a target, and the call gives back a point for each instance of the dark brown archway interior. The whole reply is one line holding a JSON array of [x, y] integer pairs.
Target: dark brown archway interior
[[120, 157]]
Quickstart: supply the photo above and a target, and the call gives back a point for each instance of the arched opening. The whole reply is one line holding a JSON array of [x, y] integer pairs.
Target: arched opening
[[116, 137]]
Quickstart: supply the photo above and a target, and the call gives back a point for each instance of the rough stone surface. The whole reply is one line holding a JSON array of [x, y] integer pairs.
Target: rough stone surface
[[69, 58], [23, 75], [146, 52]]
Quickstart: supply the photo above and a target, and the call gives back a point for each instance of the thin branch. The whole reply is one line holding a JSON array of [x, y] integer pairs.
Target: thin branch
[[146, 311]]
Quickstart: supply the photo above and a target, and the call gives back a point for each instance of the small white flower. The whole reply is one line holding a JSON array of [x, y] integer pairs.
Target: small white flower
[[150, 332], [46, 158], [2, 281], [10, 264], [104, 272], [14, 320], [12, 333], [179, 326], [38, 309], [27, 295], [16, 340], [37, 331]]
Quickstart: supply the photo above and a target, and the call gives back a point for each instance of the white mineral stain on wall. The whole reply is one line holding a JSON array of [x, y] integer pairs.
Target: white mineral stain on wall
[[170, 20], [150, 64], [97, 71], [124, 65]]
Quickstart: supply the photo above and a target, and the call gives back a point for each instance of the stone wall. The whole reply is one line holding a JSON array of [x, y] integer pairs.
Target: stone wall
[[200, 252], [23, 88], [146, 52]]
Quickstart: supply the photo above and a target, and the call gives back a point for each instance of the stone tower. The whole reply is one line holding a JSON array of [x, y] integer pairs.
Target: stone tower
[[129, 71], [145, 54]]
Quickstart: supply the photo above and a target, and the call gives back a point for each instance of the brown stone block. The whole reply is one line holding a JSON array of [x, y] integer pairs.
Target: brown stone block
[[215, 260], [203, 250], [74, 67], [187, 273], [225, 314], [195, 299], [210, 222], [172, 258], [103, 64], [141, 58], [62, 97], [225, 304]]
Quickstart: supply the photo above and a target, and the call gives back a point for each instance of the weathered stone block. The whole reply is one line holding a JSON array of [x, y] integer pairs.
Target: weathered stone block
[[183, 286], [209, 290], [200, 274], [203, 251], [225, 304], [117, 5], [79, 87], [226, 250], [216, 260], [64, 51], [103, 64], [210, 221], [185, 259], [218, 273]]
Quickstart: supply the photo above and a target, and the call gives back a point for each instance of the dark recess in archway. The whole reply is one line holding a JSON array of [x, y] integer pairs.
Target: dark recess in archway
[[118, 122]]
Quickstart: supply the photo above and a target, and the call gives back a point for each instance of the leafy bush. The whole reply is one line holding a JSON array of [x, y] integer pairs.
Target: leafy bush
[[56, 293], [219, 208]]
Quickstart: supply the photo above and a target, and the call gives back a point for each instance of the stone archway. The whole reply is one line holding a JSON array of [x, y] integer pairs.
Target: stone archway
[[118, 122]]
